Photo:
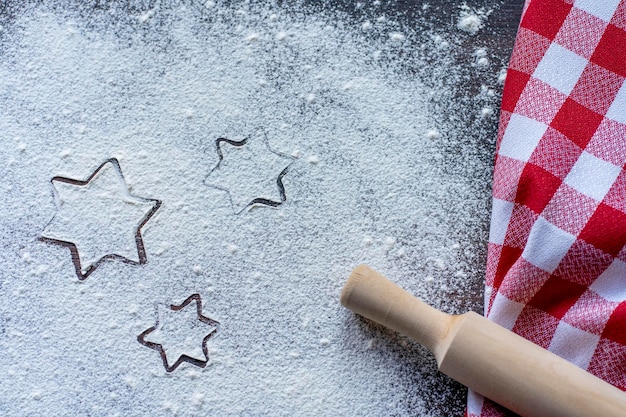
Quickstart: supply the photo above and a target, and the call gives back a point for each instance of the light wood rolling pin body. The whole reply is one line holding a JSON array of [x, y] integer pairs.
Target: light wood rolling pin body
[[490, 359]]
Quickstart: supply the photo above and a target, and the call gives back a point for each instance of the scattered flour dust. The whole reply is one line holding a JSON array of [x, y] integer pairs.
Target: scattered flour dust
[[376, 174], [472, 20]]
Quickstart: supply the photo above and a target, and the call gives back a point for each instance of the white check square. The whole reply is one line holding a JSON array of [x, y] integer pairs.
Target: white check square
[[547, 245], [575, 345], [616, 110], [611, 284], [504, 311], [560, 68], [592, 176], [501, 211], [521, 137], [602, 9]]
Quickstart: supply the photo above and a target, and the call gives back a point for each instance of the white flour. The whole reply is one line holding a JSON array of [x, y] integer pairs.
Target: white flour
[[381, 173], [471, 20]]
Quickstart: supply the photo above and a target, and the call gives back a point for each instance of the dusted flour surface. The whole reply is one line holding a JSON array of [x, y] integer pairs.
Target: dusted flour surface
[[389, 159]]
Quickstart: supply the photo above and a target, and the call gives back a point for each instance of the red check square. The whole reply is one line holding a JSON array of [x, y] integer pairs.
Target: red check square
[[615, 328], [606, 229], [611, 51], [536, 188], [545, 17], [557, 296], [515, 84], [576, 122], [508, 257]]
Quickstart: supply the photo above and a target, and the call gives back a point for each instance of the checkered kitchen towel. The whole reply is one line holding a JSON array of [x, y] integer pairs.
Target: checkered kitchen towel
[[556, 270]]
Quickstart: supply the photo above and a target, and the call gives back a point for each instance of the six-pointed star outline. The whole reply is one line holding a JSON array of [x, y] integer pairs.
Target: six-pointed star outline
[[89, 235], [165, 324], [248, 172]]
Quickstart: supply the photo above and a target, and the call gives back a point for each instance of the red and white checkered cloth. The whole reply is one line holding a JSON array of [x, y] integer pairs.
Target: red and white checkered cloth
[[556, 269]]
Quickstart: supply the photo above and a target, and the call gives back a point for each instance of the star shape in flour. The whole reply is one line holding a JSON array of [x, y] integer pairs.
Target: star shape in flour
[[250, 172], [99, 219], [181, 334]]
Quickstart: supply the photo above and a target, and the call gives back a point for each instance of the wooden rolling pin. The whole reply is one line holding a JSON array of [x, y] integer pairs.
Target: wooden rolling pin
[[487, 358]]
